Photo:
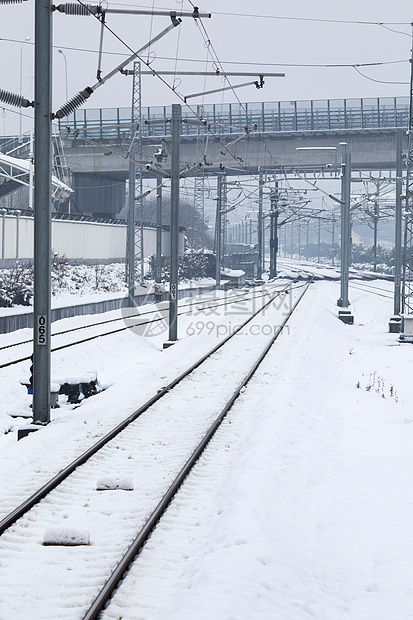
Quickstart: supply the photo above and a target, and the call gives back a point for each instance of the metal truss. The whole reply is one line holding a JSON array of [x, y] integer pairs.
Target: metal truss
[[17, 172], [135, 152]]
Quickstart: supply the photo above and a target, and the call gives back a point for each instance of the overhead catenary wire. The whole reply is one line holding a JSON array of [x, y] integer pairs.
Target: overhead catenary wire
[[297, 18], [226, 62], [378, 81], [351, 65]]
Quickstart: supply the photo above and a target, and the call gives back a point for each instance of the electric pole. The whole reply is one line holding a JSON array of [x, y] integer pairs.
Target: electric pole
[[42, 210]]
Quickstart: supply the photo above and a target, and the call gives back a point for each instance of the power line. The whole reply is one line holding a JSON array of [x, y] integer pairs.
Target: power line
[[379, 81], [227, 62], [299, 19]]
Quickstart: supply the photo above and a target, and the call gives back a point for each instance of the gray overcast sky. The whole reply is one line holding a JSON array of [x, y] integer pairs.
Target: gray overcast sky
[[245, 36]]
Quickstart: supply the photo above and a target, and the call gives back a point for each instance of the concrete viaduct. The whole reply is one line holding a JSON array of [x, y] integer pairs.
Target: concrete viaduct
[[233, 138]]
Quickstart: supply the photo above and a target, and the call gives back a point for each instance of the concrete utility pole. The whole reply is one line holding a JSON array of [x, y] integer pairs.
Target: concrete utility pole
[[274, 233], [260, 227], [343, 302], [158, 256], [218, 235], [333, 222], [173, 273], [42, 210], [394, 325], [376, 217], [307, 231], [131, 231], [175, 177]]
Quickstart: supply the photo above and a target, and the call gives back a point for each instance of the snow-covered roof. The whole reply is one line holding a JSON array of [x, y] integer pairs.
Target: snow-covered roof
[[23, 165]]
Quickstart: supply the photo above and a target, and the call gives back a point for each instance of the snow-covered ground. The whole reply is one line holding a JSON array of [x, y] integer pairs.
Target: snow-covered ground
[[301, 508]]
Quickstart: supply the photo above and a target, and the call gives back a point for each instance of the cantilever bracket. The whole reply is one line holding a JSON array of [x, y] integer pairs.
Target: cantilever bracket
[[260, 83], [175, 20]]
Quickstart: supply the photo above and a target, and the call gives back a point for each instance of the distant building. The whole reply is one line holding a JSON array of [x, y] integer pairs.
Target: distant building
[[356, 239]]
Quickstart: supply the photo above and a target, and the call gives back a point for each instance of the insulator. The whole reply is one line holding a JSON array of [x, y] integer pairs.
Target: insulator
[[10, 1], [75, 8], [12, 99], [74, 103]]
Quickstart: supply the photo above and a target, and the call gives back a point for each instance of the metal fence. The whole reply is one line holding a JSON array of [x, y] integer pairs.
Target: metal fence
[[270, 117]]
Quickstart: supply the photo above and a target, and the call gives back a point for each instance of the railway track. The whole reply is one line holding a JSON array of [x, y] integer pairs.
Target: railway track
[[177, 424], [17, 352], [371, 288]]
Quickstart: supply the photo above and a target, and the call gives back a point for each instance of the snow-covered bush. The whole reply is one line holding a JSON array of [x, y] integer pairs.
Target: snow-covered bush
[[60, 271], [81, 279], [191, 266], [16, 285]]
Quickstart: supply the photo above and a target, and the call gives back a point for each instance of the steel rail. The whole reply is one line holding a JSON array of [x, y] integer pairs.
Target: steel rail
[[126, 318], [26, 505], [137, 544], [363, 288]]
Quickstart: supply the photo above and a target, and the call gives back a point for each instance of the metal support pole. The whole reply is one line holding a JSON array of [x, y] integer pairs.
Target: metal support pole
[[306, 239], [345, 225], [173, 282], [3, 234], [31, 170], [218, 232], [17, 233], [158, 257], [375, 228], [42, 210], [223, 228], [333, 221], [319, 241], [398, 224], [273, 235], [260, 227], [375, 225], [131, 234]]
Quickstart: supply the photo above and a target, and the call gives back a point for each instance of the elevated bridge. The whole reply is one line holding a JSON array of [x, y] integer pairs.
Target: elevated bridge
[[96, 141]]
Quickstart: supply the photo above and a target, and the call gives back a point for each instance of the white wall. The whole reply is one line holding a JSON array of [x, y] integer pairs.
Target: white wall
[[76, 240]]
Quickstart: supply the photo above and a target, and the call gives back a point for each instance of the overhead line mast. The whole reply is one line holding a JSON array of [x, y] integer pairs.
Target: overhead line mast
[[407, 276]]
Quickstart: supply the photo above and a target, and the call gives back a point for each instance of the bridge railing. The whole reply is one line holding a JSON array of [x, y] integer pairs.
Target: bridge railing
[[281, 116]]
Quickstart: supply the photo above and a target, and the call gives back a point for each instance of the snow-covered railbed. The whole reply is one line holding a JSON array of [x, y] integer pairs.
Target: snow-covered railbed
[[149, 452], [17, 346], [302, 505], [131, 364]]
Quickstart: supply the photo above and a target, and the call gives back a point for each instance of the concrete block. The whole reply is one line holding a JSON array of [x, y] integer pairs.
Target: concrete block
[[346, 317], [24, 431]]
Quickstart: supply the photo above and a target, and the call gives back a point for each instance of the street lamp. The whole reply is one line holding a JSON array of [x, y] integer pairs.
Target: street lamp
[[26, 40], [64, 56]]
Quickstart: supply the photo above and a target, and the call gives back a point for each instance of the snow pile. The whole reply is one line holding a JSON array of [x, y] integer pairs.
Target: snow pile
[[111, 483], [67, 537]]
